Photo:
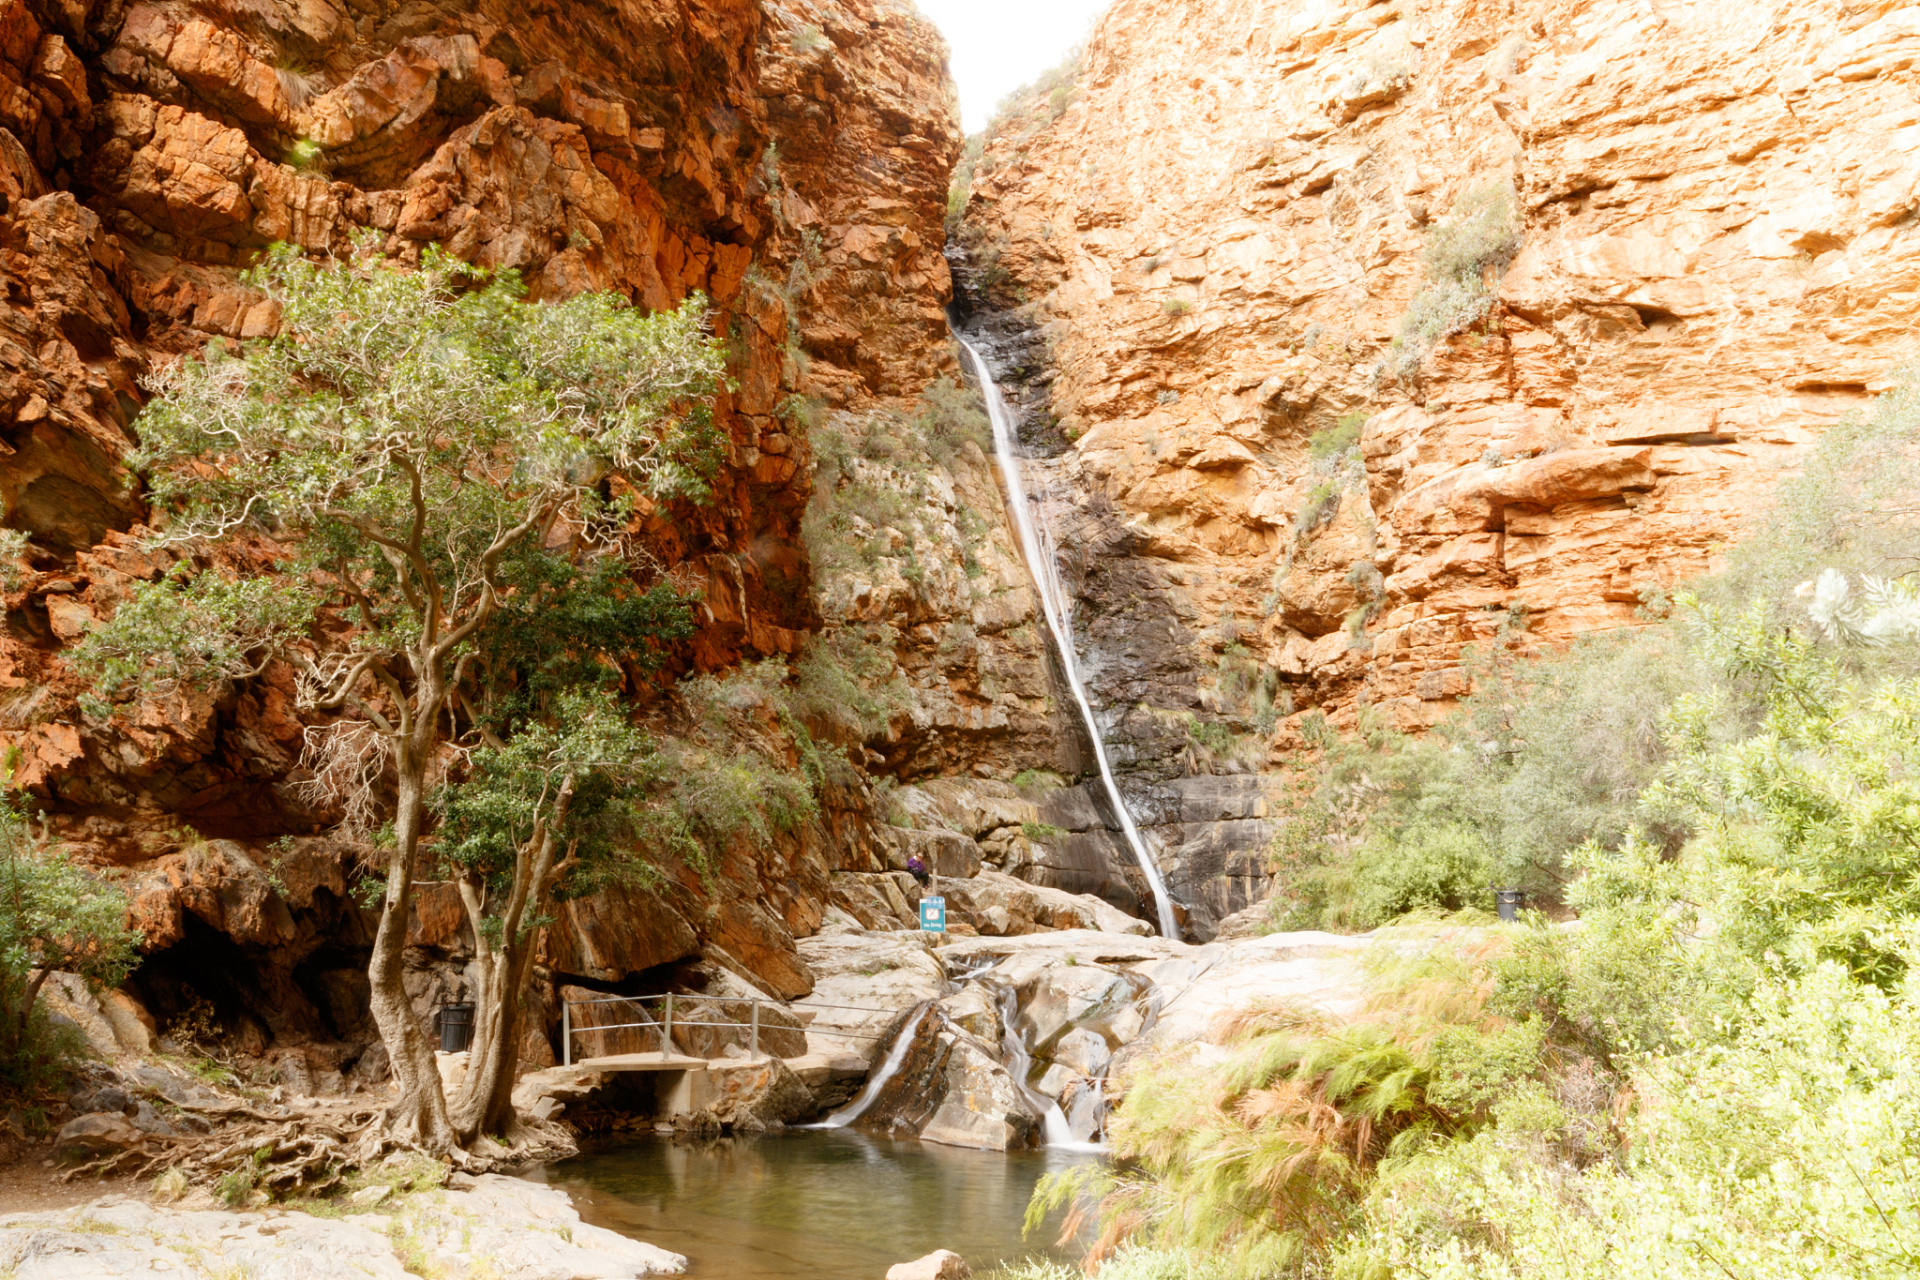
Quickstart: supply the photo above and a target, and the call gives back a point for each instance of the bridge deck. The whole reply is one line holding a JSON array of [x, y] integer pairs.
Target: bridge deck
[[642, 1062]]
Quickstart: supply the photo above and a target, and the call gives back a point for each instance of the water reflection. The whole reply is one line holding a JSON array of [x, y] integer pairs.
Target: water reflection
[[810, 1204]]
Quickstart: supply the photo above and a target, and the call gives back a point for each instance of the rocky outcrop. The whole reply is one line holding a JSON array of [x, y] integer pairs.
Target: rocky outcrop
[[1200, 262], [788, 162]]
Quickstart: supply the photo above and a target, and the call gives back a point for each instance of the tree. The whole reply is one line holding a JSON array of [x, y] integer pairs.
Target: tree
[[553, 812], [405, 449], [54, 917]]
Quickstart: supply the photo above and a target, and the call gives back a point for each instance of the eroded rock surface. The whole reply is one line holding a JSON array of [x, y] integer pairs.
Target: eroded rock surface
[[497, 1226], [1215, 241]]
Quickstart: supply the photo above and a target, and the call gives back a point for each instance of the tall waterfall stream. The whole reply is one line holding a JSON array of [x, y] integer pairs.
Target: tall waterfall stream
[[1045, 570]]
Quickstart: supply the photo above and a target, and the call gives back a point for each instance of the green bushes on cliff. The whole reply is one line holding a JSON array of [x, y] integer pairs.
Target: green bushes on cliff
[[871, 494], [1548, 754], [1716, 1059], [1481, 235]]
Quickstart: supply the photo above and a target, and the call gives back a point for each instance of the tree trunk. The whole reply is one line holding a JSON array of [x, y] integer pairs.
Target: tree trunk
[[419, 1115], [484, 1104]]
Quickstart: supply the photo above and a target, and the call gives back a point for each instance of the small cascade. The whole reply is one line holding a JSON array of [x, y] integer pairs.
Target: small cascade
[[889, 1068], [1057, 1132], [1053, 604], [1020, 1067]]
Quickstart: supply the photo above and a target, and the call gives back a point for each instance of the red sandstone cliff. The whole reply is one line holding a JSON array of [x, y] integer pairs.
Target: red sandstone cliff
[[654, 147], [1212, 241]]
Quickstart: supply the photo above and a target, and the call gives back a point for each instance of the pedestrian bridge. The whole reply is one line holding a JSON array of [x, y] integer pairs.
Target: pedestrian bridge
[[690, 1082]]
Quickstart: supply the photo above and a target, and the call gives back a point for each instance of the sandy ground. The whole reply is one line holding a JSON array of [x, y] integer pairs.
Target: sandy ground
[[30, 1180]]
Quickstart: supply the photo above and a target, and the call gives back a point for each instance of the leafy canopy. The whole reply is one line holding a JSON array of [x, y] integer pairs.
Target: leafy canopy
[[407, 435]]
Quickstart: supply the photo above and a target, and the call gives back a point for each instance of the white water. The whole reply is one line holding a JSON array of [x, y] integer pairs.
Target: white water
[[1053, 604], [889, 1068], [1058, 1134]]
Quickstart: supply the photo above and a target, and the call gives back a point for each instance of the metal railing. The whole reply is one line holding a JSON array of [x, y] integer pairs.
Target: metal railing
[[663, 1026]]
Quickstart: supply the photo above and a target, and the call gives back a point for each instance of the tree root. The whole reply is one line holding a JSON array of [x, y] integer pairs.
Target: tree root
[[308, 1151]]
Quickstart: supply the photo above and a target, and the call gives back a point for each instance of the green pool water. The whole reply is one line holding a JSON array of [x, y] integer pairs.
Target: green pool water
[[813, 1204]]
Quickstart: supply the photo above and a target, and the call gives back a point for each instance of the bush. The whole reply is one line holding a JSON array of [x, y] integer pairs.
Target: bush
[[1482, 234], [1176, 307], [1330, 443], [53, 917]]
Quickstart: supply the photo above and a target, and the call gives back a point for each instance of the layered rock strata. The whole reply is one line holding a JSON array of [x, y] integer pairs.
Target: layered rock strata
[[1201, 258]]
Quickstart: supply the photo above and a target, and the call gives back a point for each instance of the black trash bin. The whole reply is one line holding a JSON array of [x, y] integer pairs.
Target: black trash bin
[[1509, 902], [456, 1028]]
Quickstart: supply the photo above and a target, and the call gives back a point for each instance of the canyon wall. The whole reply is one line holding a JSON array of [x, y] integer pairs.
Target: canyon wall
[[1195, 262], [788, 161]]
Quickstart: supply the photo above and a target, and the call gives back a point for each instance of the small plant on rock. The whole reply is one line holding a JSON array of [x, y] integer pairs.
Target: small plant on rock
[[1482, 235]]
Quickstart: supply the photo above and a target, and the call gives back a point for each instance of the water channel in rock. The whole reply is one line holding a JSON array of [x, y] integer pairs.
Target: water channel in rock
[[814, 1203]]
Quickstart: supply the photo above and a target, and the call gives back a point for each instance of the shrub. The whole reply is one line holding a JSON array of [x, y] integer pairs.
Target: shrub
[[1482, 234], [1176, 307], [1330, 443], [53, 917], [960, 186]]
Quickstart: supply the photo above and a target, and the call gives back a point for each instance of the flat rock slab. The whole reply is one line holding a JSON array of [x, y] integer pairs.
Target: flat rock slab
[[1088, 946], [500, 1227]]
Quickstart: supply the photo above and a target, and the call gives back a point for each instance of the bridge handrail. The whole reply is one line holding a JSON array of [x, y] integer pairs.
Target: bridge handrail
[[666, 1024]]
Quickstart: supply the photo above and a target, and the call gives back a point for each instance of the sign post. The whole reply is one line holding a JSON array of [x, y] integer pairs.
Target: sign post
[[933, 915]]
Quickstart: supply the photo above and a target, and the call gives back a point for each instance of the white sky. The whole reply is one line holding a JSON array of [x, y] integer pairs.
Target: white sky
[[999, 45]]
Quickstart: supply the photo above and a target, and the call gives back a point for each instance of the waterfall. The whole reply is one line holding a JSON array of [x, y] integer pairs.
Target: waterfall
[[889, 1068], [1053, 604], [1020, 1066]]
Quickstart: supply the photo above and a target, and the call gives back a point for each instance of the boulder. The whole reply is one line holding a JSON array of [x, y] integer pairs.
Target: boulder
[[999, 905], [863, 982], [945, 853], [941, 1264], [980, 1105], [951, 1088], [756, 1095], [100, 1133], [874, 901]]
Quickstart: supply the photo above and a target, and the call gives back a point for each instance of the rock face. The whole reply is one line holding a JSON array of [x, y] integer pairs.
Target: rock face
[[1199, 264], [789, 162]]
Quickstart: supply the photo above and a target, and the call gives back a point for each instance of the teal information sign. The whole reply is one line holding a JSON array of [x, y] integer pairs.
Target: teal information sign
[[933, 915]]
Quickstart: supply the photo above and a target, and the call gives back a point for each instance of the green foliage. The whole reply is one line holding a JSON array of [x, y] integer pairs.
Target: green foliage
[[568, 622], [1262, 1161], [1018, 114], [1131, 1262], [1711, 1074], [960, 186], [950, 417], [13, 550], [1321, 503], [847, 678], [809, 39], [862, 511], [195, 629], [53, 916], [1176, 307], [1482, 234], [1332, 442], [305, 154], [1041, 832], [371, 440], [576, 782], [1034, 783]]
